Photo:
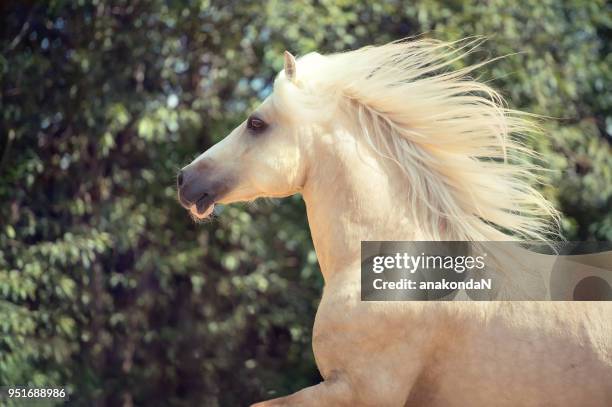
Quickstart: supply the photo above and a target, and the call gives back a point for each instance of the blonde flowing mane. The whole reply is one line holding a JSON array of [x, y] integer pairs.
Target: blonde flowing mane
[[467, 168]]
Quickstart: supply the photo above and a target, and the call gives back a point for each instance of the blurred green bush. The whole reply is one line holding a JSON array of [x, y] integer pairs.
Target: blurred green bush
[[107, 286]]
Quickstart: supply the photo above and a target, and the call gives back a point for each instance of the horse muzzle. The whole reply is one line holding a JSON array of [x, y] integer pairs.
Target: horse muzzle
[[195, 192]]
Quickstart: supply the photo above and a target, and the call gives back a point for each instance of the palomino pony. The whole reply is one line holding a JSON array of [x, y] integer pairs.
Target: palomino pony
[[389, 143]]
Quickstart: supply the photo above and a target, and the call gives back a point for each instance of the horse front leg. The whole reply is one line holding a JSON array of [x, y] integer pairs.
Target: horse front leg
[[374, 386], [331, 392]]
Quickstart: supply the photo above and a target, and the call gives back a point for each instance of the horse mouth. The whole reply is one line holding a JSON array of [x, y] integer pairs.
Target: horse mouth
[[203, 207]]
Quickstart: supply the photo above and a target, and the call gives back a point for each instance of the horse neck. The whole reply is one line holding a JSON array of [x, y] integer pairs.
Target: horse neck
[[351, 195]]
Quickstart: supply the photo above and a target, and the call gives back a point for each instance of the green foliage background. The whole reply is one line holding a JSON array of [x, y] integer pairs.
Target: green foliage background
[[107, 286]]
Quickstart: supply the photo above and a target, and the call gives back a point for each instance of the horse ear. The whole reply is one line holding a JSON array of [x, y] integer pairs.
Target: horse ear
[[290, 66]]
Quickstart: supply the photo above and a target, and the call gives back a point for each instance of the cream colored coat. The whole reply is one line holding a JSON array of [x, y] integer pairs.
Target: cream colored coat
[[407, 353]]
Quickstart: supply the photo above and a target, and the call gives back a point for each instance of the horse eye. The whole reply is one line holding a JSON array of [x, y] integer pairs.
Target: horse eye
[[256, 124]]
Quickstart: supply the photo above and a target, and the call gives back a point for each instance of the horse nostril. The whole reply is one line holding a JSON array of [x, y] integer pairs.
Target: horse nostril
[[179, 179]]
